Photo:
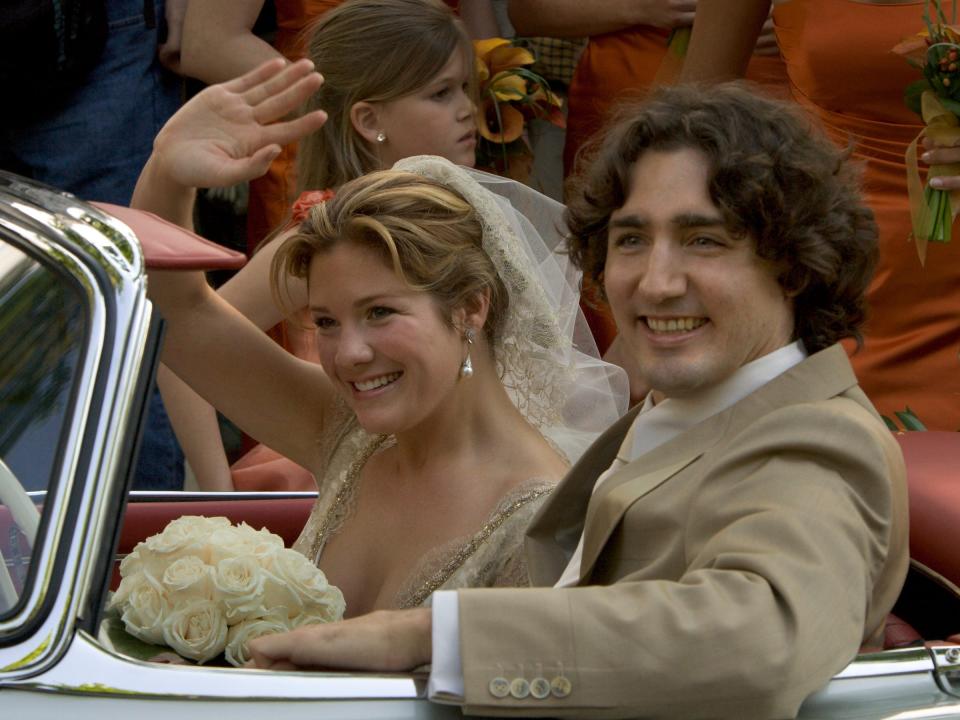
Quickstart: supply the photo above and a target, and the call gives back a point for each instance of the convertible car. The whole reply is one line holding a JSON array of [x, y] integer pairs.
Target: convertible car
[[78, 346]]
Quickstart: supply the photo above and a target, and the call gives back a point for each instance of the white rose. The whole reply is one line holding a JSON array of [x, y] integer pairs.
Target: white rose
[[306, 580], [184, 532], [243, 541], [188, 577], [240, 635], [196, 630], [264, 542], [131, 564], [187, 535], [239, 582], [146, 606], [118, 599]]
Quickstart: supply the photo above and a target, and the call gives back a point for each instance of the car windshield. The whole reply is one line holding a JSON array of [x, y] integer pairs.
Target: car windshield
[[42, 324]]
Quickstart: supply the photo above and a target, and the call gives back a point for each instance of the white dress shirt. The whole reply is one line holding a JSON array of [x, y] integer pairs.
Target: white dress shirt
[[654, 425]]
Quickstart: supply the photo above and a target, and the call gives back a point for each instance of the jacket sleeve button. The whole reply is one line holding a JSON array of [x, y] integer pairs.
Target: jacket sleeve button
[[540, 688], [520, 688], [560, 686], [499, 687]]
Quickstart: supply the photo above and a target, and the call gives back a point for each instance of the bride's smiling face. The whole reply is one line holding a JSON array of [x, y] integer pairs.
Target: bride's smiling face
[[385, 345]]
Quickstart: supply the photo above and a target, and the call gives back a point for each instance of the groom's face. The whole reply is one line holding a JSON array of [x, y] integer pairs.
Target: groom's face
[[693, 301]]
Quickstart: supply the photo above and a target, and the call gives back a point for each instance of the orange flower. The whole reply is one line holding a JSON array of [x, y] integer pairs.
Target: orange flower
[[503, 129], [507, 86], [498, 55], [509, 93]]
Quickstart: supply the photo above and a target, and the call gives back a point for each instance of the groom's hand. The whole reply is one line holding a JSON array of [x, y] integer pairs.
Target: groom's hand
[[386, 640]]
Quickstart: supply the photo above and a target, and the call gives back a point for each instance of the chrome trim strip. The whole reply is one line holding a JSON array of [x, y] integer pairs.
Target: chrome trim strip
[[146, 496], [74, 429], [118, 255], [889, 662], [86, 664]]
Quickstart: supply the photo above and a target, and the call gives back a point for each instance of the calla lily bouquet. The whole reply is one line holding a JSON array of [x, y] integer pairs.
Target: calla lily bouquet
[[203, 587], [510, 93], [936, 98]]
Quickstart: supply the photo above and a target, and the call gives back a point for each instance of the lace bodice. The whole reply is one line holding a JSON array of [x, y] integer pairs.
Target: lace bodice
[[492, 557]]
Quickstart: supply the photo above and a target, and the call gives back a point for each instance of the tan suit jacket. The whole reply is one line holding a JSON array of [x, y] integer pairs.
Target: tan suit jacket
[[727, 573]]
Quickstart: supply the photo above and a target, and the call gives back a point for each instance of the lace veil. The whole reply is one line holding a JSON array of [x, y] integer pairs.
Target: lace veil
[[546, 355]]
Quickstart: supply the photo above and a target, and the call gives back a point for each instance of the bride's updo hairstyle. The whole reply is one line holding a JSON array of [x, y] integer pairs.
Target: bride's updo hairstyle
[[370, 51], [428, 234]]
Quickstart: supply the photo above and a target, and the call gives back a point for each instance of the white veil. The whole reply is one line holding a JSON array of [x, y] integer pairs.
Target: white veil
[[545, 352]]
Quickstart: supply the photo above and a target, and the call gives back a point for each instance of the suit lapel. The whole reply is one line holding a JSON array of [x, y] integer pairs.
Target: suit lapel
[[604, 513], [556, 528]]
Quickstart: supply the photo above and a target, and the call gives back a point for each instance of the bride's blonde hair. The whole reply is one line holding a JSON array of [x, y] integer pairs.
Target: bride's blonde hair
[[371, 51], [428, 234]]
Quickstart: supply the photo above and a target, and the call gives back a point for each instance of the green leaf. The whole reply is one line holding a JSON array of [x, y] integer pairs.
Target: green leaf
[[891, 425], [909, 420], [951, 105], [120, 641]]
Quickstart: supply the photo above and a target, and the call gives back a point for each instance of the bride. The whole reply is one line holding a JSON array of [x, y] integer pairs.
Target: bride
[[451, 395]]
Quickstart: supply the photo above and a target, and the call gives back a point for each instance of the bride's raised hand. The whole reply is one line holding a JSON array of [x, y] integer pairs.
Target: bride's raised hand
[[230, 132]]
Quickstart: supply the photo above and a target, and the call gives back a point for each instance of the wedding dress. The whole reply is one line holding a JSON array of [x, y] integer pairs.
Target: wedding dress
[[490, 556]]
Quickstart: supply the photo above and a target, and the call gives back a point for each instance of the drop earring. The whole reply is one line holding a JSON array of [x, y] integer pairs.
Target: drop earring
[[381, 137], [466, 367]]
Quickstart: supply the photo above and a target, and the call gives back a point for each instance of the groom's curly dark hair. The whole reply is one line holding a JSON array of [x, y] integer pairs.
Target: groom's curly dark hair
[[774, 177]]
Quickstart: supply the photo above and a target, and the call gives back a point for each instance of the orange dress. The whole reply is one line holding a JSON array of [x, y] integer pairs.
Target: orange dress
[[617, 66], [838, 60]]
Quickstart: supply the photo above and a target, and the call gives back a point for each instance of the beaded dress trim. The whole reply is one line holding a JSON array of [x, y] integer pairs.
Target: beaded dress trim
[[491, 556]]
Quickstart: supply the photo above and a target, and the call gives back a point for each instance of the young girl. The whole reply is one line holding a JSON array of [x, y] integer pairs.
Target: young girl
[[445, 336], [397, 76]]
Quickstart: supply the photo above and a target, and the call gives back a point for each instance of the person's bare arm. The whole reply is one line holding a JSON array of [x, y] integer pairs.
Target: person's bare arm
[[266, 391], [195, 424], [218, 40], [579, 18], [479, 18], [724, 35], [250, 291], [226, 134], [169, 52]]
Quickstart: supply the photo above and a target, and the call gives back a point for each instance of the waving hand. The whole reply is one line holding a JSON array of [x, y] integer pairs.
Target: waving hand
[[230, 132]]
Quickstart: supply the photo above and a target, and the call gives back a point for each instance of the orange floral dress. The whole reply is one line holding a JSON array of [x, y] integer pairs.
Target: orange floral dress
[[614, 67], [838, 59]]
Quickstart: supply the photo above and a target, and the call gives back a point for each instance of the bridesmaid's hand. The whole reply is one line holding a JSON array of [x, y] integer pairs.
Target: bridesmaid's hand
[[936, 155], [229, 133], [667, 14]]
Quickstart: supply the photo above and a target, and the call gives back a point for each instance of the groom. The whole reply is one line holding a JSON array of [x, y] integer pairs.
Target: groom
[[727, 546]]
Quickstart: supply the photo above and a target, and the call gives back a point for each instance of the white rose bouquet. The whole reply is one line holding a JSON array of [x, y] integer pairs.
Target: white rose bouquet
[[205, 587]]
